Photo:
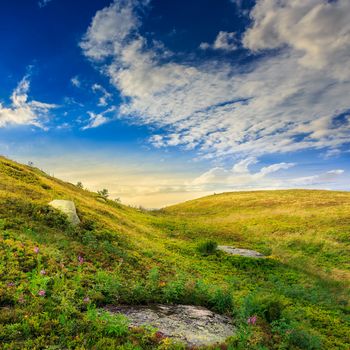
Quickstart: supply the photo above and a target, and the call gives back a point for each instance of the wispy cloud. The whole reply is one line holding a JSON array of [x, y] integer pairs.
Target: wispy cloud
[[75, 81], [98, 119], [290, 99], [103, 100], [224, 41], [240, 177], [24, 112], [43, 3]]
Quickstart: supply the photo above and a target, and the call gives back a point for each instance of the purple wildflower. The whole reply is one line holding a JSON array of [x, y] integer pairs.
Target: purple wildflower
[[252, 320], [42, 272], [86, 299], [41, 293], [11, 284], [80, 259], [36, 250]]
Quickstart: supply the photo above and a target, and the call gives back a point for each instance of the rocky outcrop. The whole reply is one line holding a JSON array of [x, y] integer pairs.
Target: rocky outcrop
[[68, 208], [193, 325], [238, 251]]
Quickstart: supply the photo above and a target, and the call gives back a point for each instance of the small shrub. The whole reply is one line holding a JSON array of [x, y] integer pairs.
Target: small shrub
[[175, 290], [103, 193], [222, 300], [108, 284], [304, 340], [269, 307], [207, 247]]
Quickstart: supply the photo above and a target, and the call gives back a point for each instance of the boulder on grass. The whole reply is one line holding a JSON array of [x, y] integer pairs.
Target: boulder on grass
[[238, 251], [68, 208]]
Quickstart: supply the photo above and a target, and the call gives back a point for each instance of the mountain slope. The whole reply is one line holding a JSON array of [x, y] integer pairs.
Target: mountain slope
[[54, 278], [309, 228]]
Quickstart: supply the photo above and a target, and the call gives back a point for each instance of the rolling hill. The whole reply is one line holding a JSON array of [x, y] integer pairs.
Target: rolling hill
[[56, 279]]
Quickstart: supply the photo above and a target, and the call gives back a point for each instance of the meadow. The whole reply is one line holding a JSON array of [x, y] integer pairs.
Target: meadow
[[55, 279]]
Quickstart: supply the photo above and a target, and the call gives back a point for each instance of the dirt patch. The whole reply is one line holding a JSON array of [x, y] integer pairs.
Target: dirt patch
[[193, 325]]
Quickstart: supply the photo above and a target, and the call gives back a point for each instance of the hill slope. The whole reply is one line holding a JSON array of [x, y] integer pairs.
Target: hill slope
[[54, 278]]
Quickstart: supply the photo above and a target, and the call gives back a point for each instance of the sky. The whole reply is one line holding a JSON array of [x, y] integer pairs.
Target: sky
[[164, 101]]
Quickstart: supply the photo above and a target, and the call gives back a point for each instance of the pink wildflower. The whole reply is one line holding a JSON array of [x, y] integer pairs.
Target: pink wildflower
[[252, 320], [80, 259], [86, 299], [42, 272], [36, 250], [41, 293], [11, 284]]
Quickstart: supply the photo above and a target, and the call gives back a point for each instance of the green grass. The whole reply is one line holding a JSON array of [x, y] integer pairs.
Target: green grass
[[299, 293]]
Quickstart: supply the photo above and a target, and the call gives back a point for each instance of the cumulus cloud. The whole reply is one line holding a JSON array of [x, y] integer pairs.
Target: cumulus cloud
[[279, 102], [24, 112], [318, 30], [110, 29], [224, 41]]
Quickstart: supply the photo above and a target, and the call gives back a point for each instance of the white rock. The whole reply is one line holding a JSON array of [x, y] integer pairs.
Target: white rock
[[238, 251], [194, 325], [68, 208]]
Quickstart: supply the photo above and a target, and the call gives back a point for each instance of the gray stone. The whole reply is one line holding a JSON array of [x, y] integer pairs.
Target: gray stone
[[242, 252], [193, 325], [68, 208]]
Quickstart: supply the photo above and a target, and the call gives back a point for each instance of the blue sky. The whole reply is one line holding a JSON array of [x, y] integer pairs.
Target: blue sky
[[163, 101]]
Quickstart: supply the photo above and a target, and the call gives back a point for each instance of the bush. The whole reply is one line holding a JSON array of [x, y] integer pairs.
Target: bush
[[207, 247], [304, 340], [103, 193], [269, 307], [291, 336]]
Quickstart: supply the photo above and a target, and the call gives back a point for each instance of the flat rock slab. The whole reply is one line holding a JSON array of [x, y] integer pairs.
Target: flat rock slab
[[68, 208], [242, 252], [193, 325]]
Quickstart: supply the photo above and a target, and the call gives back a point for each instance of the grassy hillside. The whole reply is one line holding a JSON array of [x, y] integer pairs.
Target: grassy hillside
[[55, 279]]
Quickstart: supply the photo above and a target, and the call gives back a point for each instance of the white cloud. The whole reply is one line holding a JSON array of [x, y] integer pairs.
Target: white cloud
[[103, 100], [321, 180], [75, 81], [110, 29], [98, 119], [242, 166], [24, 112], [278, 103], [332, 152], [318, 30], [335, 172], [95, 120], [224, 41], [239, 176]]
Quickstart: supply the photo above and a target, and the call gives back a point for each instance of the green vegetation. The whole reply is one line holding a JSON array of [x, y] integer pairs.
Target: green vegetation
[[55, 279], [207, 247]]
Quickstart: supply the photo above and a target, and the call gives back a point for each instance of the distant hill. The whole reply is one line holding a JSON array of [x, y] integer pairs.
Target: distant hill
[[55, 278]]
